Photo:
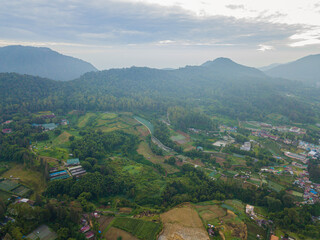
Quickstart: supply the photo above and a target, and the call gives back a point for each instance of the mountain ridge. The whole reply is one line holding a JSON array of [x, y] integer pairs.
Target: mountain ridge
[[305, 69], [42, 62]]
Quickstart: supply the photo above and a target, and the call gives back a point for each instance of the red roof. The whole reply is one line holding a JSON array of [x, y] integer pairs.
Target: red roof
[[6, 130], [85, 229], [89, 234]]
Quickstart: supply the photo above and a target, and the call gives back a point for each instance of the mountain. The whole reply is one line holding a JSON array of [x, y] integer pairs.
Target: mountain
[[265, 68], [227, 67], [220, 87], [43, 62], [306, 69]]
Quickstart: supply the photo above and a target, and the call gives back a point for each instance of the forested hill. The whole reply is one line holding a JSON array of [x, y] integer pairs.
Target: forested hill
[[217, 87], [42, 62], [306, 69]]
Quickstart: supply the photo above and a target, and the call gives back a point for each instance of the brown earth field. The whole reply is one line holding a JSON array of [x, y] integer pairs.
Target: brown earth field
[[182, 223], [114, 234]]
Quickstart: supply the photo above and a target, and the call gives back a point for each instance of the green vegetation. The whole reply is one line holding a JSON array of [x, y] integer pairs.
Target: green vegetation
[[139, 228]]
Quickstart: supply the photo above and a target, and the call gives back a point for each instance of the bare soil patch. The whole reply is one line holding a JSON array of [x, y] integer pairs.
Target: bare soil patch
[[182, 223]]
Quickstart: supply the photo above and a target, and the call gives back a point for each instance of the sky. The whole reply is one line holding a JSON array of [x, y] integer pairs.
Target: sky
[[166, 33]]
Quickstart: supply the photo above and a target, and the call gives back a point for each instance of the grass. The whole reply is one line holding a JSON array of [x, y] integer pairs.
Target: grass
[[107, 116], [139, 228], [21, 191], [272, 147], [131, 169], [4, 196], [145, 150], [84, 119], [275, 186]]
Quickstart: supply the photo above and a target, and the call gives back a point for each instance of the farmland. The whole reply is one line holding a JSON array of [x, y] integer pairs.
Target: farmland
[[139, 228], [27, 177]]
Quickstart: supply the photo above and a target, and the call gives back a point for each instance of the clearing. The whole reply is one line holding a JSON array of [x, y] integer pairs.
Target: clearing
[[27, 177], [182, 223]]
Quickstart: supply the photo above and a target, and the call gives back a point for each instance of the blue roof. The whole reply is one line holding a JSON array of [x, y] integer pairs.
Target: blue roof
[[73, 161]]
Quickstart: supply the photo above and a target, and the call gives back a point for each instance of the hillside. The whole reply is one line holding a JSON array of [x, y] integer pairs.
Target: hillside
[[220, 87], [42, 62], [305, 69]]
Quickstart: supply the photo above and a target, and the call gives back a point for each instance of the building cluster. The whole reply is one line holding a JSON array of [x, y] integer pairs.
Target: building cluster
[[85, 229], [50, 126], [57, 175], [311, 193], [298, 165], [74, 167], [265, 134], [299, 157], [224, 128]]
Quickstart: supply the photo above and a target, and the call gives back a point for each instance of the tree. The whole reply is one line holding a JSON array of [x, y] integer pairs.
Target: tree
[[71, 138]]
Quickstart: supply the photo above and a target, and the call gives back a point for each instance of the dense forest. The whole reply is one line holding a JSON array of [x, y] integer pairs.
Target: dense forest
[[224, 88]]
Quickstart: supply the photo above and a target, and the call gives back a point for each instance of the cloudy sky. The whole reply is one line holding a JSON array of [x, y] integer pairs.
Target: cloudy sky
[[166, 33]]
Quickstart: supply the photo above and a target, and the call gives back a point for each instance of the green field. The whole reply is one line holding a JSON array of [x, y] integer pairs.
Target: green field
[[139, 228], [4, 196], [21, 191], [275, 186], [8, 185]]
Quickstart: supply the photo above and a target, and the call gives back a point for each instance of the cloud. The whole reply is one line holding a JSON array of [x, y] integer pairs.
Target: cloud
[[306, 37], [264, 48], [234, 6], [100, 22]]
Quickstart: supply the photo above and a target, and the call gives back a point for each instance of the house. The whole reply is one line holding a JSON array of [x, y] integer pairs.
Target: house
[[7, 130], [64, 122], [73, 162], [85, 229], [200, 148], [246, 146], [49, 126], [249, 209], [273, 237], [7, 122], [89, 235]]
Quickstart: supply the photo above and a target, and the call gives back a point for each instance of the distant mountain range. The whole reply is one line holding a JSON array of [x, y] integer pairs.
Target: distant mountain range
[[306, 69], [265, 68], [42, 62]]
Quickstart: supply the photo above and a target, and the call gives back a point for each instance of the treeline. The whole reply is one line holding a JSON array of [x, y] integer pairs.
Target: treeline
[[183, 119], [314, 170], [97, 144]]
